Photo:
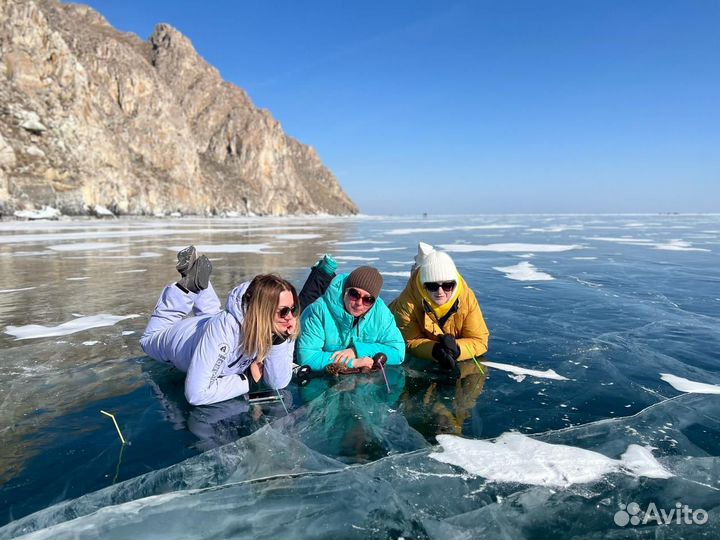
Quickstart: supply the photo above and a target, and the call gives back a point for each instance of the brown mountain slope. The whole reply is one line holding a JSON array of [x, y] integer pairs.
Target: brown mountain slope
[[92, 116]]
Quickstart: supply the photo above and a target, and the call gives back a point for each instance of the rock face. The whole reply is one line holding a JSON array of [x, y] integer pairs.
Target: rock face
[[91, 116]]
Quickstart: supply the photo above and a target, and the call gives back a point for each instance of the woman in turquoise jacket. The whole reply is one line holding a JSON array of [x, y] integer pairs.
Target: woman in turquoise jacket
[[350, 324]]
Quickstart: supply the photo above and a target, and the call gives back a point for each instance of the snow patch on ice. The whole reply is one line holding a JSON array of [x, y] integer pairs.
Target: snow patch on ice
[[16, 290], [686, 385], [509, 248], [226, 248], [515, 457], [128, 332], [354, 242], [31, 331], [47, 212], [90, 342], [678, 245], [447, 229], [547, 374], [621, 239], [355, 258], [297, 236], [102, 211], [523, 271], [86, 246], [557, 228], [143, 255], [670, 245], [398, 274], [372, 250]]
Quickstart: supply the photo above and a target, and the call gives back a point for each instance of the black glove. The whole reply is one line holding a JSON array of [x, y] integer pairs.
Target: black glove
[[446, 351], [450, 345], [443, 357]]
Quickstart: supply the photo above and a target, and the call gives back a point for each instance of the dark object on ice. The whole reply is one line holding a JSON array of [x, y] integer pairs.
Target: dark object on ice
[[198, 275], [342, 369], [302, 375], [379, 361], [264, 396]]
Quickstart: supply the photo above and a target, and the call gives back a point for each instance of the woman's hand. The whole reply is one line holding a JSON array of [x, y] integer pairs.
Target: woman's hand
[[363, 362], [344, 356], [291, 325], [256, 371]]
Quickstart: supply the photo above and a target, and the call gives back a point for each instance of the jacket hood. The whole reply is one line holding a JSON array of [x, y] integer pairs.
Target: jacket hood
[[234, 302]]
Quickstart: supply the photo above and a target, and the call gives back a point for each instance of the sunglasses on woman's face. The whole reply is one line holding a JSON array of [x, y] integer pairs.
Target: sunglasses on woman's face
[[354, 294], [447, 286], [285, 312]]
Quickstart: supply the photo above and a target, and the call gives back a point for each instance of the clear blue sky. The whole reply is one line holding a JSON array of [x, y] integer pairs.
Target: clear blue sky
[[479, 106]]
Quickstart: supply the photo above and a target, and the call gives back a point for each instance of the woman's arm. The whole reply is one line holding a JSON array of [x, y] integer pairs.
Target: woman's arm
[[203, 384], [389, 340], [311, 343], [407, 321], [474, 334], [277, 368]]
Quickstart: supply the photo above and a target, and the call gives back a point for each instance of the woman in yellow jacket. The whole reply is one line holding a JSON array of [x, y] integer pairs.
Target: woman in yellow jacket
[[438, 314]]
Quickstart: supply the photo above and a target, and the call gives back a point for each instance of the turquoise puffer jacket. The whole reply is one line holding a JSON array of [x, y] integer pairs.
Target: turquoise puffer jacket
[[327, 327]]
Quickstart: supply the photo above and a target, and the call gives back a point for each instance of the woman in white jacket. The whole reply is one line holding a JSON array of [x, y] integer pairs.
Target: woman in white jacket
[[224, 352]]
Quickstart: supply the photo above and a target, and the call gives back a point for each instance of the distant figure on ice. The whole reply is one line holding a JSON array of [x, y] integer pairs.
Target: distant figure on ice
[[224, 352], [350, 325], [437, 312]]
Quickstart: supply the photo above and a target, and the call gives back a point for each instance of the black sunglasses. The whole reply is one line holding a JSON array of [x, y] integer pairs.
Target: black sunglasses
[[285, 312], [354, 294], [432, 287]]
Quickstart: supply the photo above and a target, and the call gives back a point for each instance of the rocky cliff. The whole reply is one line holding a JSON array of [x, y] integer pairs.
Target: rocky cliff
[[93, 116]]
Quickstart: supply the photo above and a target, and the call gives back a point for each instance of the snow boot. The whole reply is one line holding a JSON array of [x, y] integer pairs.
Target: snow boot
[[186, 257], [197, 276]]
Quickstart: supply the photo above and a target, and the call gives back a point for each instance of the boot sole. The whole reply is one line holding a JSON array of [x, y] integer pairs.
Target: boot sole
[[186, 257]]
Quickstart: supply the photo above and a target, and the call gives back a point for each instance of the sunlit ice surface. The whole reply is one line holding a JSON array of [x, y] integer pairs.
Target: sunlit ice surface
[[600, 388]]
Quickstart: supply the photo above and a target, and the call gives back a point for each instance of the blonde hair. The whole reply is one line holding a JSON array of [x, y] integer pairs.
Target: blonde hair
[[261, 303]]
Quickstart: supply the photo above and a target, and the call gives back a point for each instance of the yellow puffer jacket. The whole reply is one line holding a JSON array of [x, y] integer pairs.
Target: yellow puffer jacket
[[421, 329]]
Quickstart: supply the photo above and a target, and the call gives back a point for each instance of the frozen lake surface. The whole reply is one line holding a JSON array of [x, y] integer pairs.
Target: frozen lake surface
[[598, 398]]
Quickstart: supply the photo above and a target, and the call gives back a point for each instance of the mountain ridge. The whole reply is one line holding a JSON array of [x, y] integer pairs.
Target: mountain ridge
[[92, 116]]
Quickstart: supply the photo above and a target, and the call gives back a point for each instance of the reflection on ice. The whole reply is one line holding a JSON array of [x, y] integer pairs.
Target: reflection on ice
[[272, 484]]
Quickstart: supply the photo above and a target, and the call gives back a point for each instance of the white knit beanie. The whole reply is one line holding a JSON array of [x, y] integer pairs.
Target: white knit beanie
[[423, 251], [435, 266]]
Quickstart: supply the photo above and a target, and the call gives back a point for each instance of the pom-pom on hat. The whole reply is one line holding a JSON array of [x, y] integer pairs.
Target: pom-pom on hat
[[435, 266], [366, 278]]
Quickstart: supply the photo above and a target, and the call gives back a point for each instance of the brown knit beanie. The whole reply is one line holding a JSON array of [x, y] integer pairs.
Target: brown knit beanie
[[366, 278]]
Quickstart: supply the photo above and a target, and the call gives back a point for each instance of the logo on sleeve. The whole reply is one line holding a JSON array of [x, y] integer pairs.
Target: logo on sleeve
[[222, 356]]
